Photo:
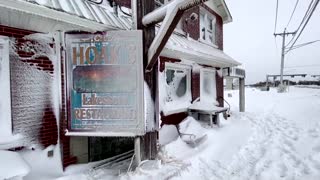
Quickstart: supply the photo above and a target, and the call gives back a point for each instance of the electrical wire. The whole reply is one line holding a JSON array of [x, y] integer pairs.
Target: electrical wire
[[303, 66], [307, 20], [302, 21], [300, 45], [276, 19], [294, 9]]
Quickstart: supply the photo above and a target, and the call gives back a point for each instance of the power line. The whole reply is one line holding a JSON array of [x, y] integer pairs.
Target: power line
[[275, 21], [302, 21], [303, 66], [294, 9], [308, 18]]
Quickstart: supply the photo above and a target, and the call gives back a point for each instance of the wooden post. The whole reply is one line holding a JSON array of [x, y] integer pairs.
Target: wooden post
[[143, 7], [137, 150]]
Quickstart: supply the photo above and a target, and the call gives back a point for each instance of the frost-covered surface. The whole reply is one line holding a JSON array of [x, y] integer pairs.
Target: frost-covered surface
[[32, 90], [169, 102], [102, 13], [30, 96], [5, 101], [148, 109], [14, 167], [42, 166], [167, 134]]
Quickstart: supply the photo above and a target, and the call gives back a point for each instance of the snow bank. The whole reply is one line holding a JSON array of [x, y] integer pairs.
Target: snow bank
[[191, 126], [12, 165], [167, 134], [42, 165]]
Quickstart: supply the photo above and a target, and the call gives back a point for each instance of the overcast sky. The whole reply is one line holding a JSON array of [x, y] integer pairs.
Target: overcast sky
[[249, 38]]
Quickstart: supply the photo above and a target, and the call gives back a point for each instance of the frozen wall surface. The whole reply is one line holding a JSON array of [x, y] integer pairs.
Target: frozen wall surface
[[30, 90]]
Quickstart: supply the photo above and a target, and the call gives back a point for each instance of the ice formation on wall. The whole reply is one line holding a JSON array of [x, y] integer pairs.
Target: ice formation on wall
[[34, 91], [31, 94]]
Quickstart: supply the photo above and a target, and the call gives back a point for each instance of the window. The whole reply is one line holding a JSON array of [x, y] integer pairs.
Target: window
[[207, 27], [208, 91], [5, 100], [177, 82], [176, 93]]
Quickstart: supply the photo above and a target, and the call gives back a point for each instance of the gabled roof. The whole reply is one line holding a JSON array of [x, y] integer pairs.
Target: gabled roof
[[221, 8]]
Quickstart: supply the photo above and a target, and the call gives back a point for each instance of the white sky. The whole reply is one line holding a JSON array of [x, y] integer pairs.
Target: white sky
[[249, 38]]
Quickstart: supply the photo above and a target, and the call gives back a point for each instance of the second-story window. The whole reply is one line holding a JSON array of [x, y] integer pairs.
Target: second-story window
[[207, 27]]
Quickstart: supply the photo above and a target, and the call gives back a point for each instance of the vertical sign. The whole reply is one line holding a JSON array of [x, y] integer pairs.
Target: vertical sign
[[105, 84]]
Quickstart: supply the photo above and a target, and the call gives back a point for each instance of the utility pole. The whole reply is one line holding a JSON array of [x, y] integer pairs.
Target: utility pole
[[284, 34]]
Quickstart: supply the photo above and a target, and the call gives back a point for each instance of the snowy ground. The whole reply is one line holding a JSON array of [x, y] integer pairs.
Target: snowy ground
[[278, 137]]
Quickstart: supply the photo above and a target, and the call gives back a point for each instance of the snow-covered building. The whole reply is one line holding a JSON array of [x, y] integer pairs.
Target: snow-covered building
[[191, 65], [33, 64]]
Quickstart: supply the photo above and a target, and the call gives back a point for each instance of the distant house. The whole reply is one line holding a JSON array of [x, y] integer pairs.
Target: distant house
[[34, 83]]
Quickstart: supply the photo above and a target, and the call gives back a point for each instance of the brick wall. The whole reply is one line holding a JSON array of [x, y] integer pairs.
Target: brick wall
[[125, 3], [191, 27], [31, 82]]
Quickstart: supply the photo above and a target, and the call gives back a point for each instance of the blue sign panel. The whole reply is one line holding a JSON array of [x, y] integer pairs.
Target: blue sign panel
[[105, 84]]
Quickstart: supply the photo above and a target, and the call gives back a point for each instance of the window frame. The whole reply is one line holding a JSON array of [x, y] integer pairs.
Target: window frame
[[206, 19], [202, 71], [188, 95], [182, 67], [5, 87]]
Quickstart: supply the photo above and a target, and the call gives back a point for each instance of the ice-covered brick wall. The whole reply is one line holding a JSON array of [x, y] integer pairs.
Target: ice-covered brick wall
[[191, 27], [32, 115], [31, 83]]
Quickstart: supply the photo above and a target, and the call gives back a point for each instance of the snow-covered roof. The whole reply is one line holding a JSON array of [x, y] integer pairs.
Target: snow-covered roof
[[181, 47], [65, 15], [221, 8], [81, 15]]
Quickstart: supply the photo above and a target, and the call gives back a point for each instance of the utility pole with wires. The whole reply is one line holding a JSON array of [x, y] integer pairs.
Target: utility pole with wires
[[284, 34]]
